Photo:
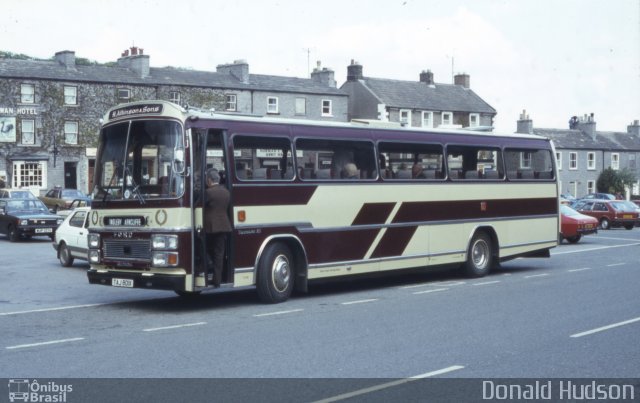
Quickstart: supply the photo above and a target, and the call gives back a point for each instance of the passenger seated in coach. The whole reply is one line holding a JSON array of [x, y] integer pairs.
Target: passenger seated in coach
[[351, 171], [417, 171]]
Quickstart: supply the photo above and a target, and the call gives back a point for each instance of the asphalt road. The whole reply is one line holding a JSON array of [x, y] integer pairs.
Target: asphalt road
[[575, 315]]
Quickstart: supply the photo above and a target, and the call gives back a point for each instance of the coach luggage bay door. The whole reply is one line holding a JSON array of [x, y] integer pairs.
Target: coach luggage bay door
[[208, 153]]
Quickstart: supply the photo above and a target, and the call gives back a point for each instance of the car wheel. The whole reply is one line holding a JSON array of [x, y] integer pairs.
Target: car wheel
[[629, 226], [574, 239], [64, 255], [55, 209], [604, 223], [14, 235], [479, 256], [275, 274]]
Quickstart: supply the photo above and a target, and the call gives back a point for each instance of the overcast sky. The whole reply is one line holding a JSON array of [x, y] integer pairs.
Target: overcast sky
[[554, 58]]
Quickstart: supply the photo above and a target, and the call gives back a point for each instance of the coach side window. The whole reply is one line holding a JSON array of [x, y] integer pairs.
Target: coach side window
[[328, 159], [474, 163], [529, 164], [262, 158], [411, 161]]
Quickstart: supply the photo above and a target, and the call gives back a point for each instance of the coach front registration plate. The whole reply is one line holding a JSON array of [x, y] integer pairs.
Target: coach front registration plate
[[122, 282]]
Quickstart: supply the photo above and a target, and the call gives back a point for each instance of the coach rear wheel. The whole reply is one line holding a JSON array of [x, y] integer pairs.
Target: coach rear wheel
[[275, 274], [479, 256], [64, 255]]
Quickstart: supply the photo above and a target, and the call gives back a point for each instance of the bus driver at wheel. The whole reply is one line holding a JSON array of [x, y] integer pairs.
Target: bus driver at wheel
[[216, 222]]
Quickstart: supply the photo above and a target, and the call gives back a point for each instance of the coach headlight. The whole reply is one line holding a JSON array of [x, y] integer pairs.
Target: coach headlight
[[164, 259], [94, 256], [94, 240], [164, 242]]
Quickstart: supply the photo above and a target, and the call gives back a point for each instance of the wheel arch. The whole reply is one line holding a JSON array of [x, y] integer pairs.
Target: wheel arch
[[299, 254], [493, 236]]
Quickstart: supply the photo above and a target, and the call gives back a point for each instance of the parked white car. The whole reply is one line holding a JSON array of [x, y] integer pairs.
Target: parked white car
[[71, 237]]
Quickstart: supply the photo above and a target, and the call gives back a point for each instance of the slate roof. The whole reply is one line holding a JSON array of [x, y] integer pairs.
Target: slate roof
[[52, 70], [419, 95], [577, 140]]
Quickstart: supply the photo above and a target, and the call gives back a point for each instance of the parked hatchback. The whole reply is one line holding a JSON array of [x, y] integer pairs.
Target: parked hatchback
[[71, 237], [610, 213], [24, 218], [574, 225]]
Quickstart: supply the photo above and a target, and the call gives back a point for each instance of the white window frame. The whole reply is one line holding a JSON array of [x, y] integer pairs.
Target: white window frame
[[301, 106], [591, 160], [472, 117], [27, 93], [327, 107], [174, 96], [231, 102], [447, 118], [71, 131], [30, 174], [272, 105], [573, 161], [525, 160], [70, 95], [31, 130], [615, 161], [123, 93], [591, 186], [404, 116], [559, 160], [427, 119]]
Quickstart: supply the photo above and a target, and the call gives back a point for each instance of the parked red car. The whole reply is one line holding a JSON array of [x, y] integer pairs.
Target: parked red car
[[610, 213], [574, 225]]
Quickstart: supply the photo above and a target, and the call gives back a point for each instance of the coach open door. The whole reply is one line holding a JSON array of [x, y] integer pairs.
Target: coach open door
[[209, 146]]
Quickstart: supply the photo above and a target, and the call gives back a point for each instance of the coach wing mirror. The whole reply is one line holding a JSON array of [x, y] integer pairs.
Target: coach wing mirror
[[178, 161]]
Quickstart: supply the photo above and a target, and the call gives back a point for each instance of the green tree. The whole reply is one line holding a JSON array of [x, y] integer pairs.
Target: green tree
[[611, 181]]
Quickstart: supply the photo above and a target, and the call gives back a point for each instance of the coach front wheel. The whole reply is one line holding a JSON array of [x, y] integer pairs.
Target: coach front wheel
[[275, 274], [479, 256]]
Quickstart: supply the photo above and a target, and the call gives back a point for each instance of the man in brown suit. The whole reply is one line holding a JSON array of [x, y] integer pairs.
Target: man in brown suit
[[216, 222]]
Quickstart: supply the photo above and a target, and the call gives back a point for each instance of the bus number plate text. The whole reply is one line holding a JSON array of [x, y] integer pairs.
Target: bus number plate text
[[122, 282]]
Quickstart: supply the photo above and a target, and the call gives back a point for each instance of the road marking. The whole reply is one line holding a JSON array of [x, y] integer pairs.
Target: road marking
[[436, 284], [616, 264], [582, 269], [614, 239], [603, 328], [362, 301], [375, 388], [487, 282], [594, 249], [60, 308], [428, 291], [153, 329], [277, 313], [44, 343], [537, 275]]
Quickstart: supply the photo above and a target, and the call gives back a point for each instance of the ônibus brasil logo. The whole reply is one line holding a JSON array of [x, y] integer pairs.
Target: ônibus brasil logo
[[24, 390]]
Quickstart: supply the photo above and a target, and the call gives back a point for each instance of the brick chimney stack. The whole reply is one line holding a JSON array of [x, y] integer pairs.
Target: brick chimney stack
[[463, 80], [354, 71], [323, 76], [135, 60], [525, 124], [634, 128], [427, 77], [587, 125], [66, 58], [238, 69]]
